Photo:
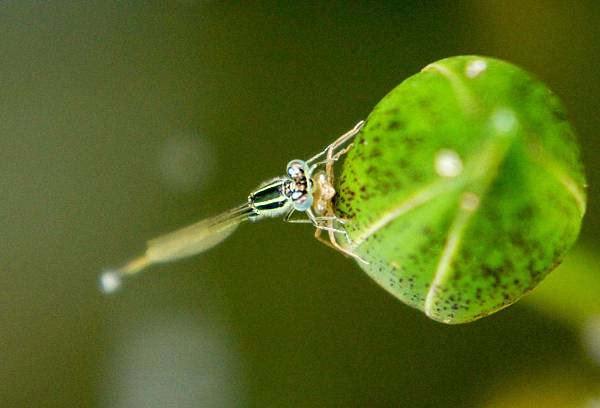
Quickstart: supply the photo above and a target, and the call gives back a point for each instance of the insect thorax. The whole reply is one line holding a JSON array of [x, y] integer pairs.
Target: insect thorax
[[269, 199], [322, 193]]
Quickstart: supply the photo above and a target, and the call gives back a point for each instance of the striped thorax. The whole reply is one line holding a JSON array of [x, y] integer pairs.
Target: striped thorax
[[279, 196]]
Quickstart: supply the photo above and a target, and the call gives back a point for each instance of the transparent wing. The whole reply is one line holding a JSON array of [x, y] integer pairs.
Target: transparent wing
[[197, 237], [185, 242]]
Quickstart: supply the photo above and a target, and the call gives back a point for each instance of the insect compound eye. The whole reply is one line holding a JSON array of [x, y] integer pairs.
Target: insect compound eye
[[303, 202], [296, 168]]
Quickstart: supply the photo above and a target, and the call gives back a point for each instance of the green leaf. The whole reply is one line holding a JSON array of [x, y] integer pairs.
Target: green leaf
[[464, 188]]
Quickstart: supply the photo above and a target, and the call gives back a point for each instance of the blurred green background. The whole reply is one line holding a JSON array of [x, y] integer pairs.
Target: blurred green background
[[120, 121]]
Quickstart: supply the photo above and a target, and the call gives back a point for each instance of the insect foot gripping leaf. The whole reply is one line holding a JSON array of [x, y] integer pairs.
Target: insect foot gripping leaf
[[463, 189]]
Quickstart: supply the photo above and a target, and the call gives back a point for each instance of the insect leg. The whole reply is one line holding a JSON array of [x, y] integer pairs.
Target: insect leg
[[331, 157], [336, 245], [331, 218], [288, 218], [321, 162], [342, 152], [323, 240], [317, 222], [332, 242], [299, 221], [340, 141], [331, 148], [330, 229]]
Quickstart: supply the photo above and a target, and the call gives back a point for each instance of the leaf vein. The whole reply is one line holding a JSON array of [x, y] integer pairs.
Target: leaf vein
[[545, 160], [414, 201]]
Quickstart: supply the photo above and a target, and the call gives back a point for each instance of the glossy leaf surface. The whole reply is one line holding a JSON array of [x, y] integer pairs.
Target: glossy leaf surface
[[464, 188]]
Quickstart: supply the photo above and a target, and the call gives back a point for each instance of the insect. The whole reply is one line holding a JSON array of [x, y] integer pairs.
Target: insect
[[302, 189]]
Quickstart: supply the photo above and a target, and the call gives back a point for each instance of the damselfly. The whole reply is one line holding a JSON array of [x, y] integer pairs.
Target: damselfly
[[307, 187]]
